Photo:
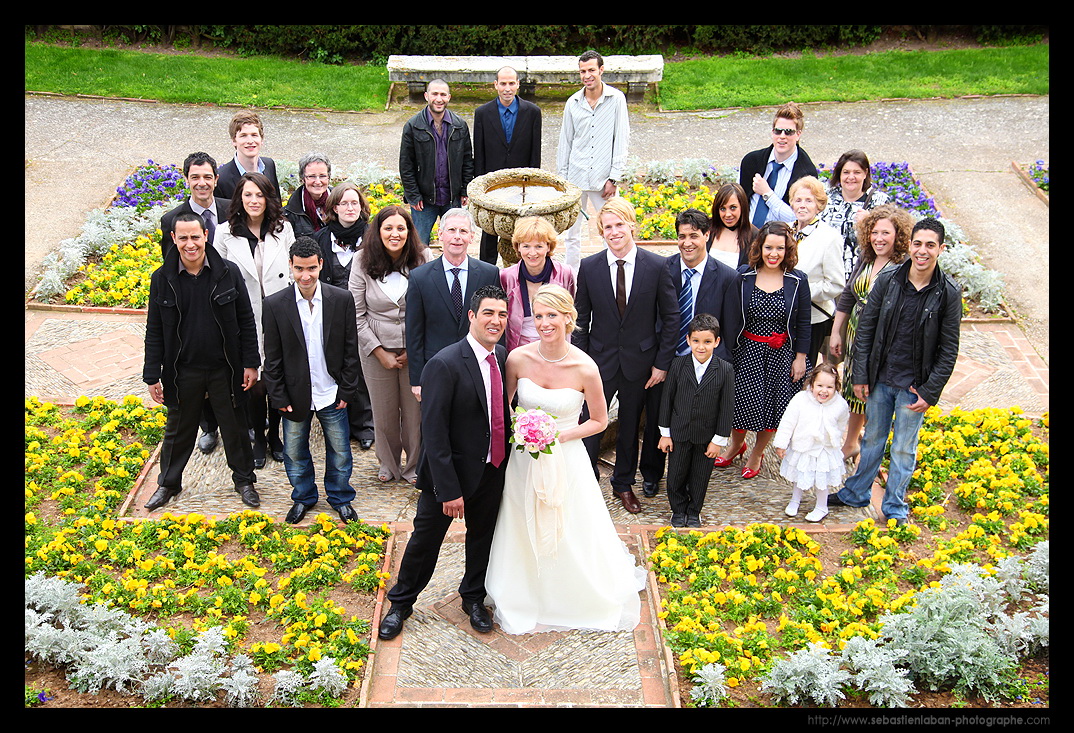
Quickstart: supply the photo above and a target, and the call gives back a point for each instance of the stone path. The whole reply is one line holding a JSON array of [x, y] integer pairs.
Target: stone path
[[439, 661]]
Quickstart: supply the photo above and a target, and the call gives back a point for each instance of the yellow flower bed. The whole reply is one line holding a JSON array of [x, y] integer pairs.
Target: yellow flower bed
[[740, 596], [657, 206], [221, 572]]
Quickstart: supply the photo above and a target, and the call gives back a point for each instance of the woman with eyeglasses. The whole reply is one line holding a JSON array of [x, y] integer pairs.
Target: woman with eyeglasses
[[850, 195], [307, 209]]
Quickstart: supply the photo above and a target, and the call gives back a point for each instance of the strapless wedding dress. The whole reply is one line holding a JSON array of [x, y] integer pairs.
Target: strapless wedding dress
[[557, 562]]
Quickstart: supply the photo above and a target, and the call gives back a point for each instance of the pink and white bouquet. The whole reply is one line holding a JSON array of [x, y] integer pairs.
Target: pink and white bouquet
[[533, 431]]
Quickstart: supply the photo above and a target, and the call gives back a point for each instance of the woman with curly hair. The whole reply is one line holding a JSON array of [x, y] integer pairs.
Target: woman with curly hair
[[887, 230]]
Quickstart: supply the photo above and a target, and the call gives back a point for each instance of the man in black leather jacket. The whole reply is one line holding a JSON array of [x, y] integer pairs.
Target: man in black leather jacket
[[904, 352], [436, 159]]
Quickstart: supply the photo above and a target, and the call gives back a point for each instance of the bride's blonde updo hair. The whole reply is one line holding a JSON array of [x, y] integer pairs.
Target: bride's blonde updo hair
[[558, 298]]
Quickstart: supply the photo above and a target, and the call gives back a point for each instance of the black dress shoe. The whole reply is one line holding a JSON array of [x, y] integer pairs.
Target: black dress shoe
[[693, 521], [365, 443], [834, 500], [297, 512], [249, 495], [649, 488], [160, 497], [207, 442], [678, 520], [479, 616], [259, 453], [392, 624], [346, 513], [277, 455]]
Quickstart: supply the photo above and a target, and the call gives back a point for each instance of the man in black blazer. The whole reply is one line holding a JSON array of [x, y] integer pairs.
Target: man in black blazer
[[247, 136], [628, 322], [436, 318], [507, 134], [311, 367], [711, 291], [767, 174], [465, 421], [199, 169]]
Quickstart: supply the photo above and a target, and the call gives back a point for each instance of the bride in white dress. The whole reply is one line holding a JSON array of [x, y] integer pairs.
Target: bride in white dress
[[557, 562]]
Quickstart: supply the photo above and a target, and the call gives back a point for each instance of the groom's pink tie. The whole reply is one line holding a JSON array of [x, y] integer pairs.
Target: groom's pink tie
[[496, 410]]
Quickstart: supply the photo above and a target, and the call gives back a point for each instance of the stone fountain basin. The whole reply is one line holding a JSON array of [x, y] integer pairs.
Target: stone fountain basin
[[498, 199]]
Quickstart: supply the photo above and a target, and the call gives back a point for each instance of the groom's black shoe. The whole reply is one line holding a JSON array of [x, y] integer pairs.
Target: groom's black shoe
[[392, 624], [649, 488], [479, 616]]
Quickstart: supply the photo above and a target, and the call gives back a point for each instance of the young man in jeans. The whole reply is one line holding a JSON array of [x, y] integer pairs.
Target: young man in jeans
[[904, 352]]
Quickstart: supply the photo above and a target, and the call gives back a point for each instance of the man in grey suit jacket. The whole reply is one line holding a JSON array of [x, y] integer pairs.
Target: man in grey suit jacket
[[629, 328], [507, 134], [312, 368], [435, 314]]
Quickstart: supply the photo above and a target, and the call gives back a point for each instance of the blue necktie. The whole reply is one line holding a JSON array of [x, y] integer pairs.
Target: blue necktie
[[762, 208], [686, 309]]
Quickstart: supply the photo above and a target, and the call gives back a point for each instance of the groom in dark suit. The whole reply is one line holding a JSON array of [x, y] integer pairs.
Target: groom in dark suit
[[312, 368], [465, 421], [507, 134], [628, 322], [437, 292]]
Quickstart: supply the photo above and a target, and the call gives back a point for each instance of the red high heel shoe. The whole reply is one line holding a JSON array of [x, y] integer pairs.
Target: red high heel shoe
[[721, 462], [748, 472]]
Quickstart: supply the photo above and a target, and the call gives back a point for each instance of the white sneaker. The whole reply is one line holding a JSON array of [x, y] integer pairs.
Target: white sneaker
[[817, 514], [792, 509]]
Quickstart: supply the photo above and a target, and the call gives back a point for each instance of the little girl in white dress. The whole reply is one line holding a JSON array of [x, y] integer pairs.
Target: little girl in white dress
[[810, 438]]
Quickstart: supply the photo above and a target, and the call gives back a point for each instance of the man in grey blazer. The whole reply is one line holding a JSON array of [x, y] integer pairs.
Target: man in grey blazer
[[435, 314]]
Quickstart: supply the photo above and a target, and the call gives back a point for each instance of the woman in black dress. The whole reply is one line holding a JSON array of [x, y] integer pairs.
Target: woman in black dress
[[771, 341]]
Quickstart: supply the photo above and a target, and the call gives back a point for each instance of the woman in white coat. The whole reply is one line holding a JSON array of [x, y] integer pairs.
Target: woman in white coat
[[820, 257], [257, 237]]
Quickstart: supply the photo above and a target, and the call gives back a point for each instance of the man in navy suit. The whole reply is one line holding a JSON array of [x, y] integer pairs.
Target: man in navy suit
[[435, 315], [710, 291], [628, 322], [465, 421], [507, 134], [247, 136]]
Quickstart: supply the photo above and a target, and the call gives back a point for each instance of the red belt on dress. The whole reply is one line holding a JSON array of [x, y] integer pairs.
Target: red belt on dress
[[776, 340]]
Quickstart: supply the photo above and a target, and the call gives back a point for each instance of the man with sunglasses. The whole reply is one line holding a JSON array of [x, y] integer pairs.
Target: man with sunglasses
[[768, 173]]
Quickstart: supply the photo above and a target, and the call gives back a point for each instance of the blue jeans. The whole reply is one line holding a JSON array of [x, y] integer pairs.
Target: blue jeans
[[885, 404], [337, 457], [424, 219]]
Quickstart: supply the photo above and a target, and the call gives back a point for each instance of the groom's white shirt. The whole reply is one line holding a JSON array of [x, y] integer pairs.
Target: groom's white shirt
[[482, 355]]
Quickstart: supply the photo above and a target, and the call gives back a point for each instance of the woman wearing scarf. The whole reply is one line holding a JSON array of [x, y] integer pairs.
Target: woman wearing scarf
[[307, 209], [346, 216], [534, 240]]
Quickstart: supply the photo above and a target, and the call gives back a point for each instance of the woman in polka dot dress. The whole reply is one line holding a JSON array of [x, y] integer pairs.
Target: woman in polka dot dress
[[771, 341]]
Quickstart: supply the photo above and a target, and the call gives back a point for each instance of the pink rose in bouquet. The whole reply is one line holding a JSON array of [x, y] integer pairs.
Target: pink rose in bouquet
[[533, 431]]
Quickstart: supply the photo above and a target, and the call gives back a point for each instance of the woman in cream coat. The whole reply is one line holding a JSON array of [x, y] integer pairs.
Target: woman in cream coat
[[257, 237], [391, 248], [820, 257]]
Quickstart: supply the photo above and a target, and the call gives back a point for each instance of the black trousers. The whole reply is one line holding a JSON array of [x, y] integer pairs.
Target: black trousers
[[431, 525], [181, 429], [689, 471], [632, 396], [652, 459], [489, 247], [360, 412]]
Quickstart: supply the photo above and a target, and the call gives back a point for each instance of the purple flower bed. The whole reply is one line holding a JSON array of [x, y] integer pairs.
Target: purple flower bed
[[1039, 173], [150, 185], [898, 182]]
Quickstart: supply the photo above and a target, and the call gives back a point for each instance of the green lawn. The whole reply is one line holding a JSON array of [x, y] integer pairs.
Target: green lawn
[[708, 83]]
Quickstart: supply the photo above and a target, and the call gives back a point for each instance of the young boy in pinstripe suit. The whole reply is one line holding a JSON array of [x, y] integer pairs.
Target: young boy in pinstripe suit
[[695, 419]]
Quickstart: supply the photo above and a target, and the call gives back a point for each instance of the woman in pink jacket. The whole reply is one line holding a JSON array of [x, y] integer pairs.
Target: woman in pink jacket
[[534, 239]]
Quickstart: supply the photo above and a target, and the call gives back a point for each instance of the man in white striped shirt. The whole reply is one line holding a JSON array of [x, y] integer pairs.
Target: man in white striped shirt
[[593, 144]]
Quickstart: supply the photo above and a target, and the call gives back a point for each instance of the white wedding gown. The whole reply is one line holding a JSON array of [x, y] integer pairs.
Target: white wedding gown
[[557, 562]]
